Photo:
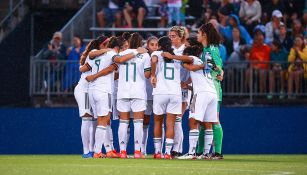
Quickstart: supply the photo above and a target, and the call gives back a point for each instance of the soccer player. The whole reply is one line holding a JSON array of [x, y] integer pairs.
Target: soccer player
[[167, 96], [210, 39], [89, 123], [152, 45], [177, 35], [134, 68]]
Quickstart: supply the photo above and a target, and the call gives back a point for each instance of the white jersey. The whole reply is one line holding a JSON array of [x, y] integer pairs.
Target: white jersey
[[82, 80], [184, 74], [103, 83], [168, 76], [131, 81], [201, 82]]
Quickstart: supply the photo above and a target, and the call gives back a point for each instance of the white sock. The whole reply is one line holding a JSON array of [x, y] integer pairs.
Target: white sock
[[107, 143], [85, 134], [138, 134], [144, 140], [99, 138], [157, 145], [193, 138], [163, 137], [92, 134], [110, 135], [178, 137], [208, 140], [168, 145], [122, 134]]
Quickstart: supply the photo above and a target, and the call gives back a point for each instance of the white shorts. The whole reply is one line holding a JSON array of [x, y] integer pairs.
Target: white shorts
[[203, 107], [101, 102], [115, 113], [134, 105], [148, 110], [82, 98], [163, 104]]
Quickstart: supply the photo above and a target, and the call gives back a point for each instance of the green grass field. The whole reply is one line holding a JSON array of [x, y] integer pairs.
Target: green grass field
[[231, 165]]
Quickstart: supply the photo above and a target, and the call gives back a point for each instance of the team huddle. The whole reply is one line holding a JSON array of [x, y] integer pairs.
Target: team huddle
[[123, 79]]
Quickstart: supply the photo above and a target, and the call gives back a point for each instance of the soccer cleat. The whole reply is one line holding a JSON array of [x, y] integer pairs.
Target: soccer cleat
[[158, 156], [111, 154], [88, 155], [217, 156], [187, 157], [118, 154], [138, 155], [123, 155], [167, 156], [207, 156], [175, 154], [92, 153], [99, 155]]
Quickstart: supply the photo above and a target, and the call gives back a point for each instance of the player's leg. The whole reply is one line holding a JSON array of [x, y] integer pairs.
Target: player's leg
[[146, 122], [103, 107], [218, 136], [210, 117], [201, 141], [159, 108], [123, 106], [138, 107], [178, 139], [173, 109], [82, 99]]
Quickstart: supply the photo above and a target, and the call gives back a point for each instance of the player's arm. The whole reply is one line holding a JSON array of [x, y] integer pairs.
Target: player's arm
[[183, 58], [103, 72], [193, 67], [86, 67], [127, 57], [185, 85], [220, 77], [154, 62], [95, 53]]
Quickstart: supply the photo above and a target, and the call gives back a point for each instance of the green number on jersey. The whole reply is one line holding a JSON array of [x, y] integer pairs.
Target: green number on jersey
[[97, 62], [168, 69], [134, 71]]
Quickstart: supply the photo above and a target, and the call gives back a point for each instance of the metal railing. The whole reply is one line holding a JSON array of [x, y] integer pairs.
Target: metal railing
[[241, 79], [16, 11], [79, 24]]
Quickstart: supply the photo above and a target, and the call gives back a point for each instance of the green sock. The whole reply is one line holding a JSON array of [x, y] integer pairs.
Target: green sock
[[201, 140], [218, 138]]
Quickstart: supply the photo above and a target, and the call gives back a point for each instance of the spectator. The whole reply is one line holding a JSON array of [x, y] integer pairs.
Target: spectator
[[72, 74], [233, 45], [111, 12], [279, 57], [183, 12], [250, 14], [260, 52], [269, 7], [173, 11], [163, 14], [226, 8], [134, 8], [54, 51], [227, 31], [272, 27], [297, 28], [305, 21], [297, 68], [283, 37]]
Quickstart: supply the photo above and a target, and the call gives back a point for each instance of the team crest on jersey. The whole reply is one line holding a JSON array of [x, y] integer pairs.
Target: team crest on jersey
[[139, 56]]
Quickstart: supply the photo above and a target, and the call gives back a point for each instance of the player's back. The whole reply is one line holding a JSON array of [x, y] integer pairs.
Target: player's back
[[168, 76]]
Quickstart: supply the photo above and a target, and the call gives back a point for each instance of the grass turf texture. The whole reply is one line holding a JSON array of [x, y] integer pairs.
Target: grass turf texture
[[231, 165]]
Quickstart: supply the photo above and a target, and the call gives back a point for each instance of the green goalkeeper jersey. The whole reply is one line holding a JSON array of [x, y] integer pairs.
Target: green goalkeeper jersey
[[212, 53]]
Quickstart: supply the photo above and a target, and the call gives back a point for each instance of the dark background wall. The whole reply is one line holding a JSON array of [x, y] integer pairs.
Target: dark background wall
[[252, 130]]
